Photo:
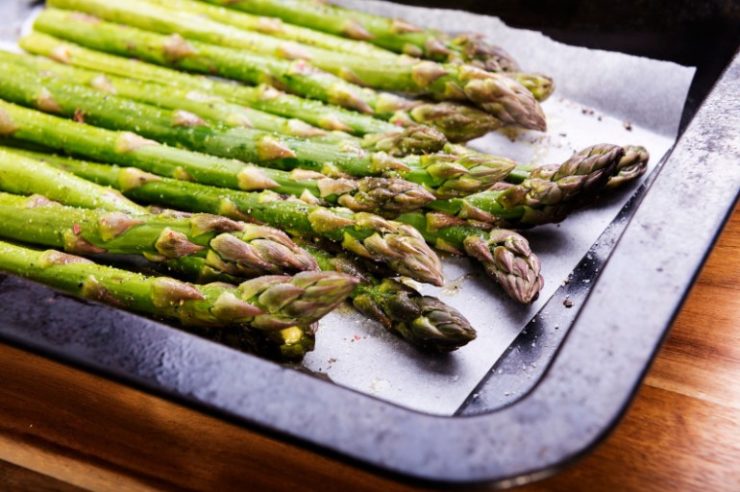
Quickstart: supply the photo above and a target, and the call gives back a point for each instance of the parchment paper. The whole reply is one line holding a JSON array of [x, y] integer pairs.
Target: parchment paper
[[601, 97]]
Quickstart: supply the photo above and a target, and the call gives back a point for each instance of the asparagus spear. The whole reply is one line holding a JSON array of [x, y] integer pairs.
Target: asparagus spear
[[383, 241], [414, 139], [630, 167], [505, 255], [267, 303], [372, 194], [26, 176], [547, 195], [497, 94], [242, 250], [393, 34], [439, 174], [461, 122], [423, 321]]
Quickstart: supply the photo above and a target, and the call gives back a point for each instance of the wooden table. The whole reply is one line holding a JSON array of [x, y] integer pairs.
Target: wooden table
[[61, 428]]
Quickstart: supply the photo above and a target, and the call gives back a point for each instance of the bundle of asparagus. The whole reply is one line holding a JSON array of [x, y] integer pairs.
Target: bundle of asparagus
[[499, 95], [445, 175], [424, 321], [216, 109], [232, 29], [277, 205], [375, 194], [458, 123], [439, 174]]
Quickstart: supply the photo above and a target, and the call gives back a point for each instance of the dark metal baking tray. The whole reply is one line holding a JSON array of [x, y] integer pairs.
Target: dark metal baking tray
[[543, 404]]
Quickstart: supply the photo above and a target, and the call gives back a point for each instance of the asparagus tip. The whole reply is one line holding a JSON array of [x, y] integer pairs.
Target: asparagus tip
[[440, 327], [582, 175], [458, 122], [399, 245], [414, 139], [424, 321], [478, 52], [512, 103], [298, 300], [507, 257], [630, 167], [386, 196]]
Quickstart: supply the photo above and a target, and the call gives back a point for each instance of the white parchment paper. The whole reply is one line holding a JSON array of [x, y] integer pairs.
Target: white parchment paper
[[601, 97]]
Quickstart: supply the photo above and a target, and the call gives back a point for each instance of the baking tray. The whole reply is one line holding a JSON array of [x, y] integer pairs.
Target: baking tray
[[565, 381]]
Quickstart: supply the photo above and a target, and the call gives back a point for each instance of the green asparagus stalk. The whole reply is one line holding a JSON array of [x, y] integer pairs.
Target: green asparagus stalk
[[235, 248], [461, 122], [393, 34], [439, 174], [423, 321], [505, 255], [267, 303], [27, 176], [410, 140], [497, 94], [546, 196], [202, 104], [385, 195], [371, 237], [414, 139]]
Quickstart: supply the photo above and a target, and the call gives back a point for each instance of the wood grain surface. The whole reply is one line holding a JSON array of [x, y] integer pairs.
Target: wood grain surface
[[62, 429]]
